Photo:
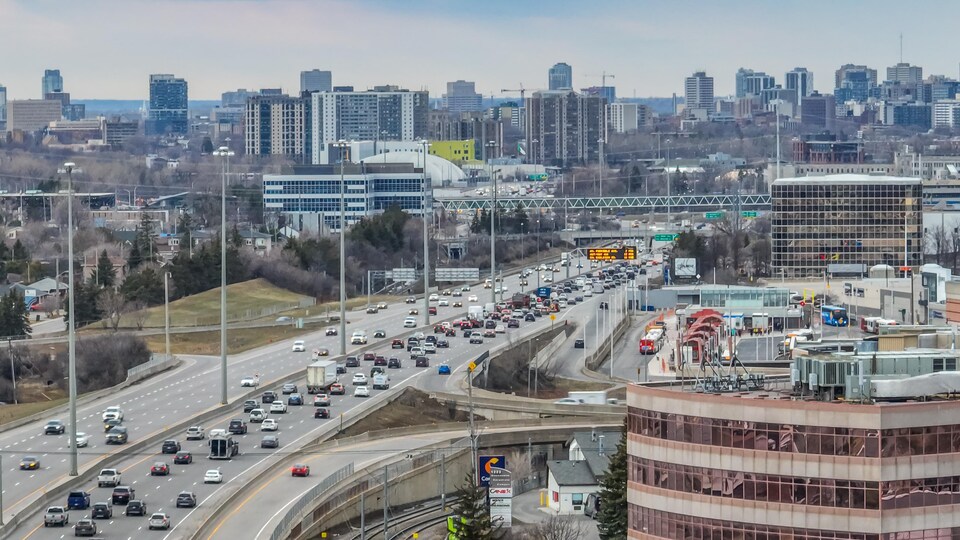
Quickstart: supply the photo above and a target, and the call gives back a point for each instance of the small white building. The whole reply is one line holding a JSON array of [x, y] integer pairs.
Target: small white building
[[570, 482]]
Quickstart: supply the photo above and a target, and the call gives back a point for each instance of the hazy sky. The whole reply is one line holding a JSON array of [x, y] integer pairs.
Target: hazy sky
[[107, 49]]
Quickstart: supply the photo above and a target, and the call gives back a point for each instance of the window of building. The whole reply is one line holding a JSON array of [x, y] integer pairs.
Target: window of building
[[576, 498]]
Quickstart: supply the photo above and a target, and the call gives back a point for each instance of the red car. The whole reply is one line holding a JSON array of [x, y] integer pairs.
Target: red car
[[397, 344], [369, 356], [159, 469], [336, 389], [439, 329], [380, 360], [300, 470], [432, 310]]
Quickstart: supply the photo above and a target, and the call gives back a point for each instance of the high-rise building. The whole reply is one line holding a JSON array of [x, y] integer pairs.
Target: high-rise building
[[71, 111], [801, 80], [168, 105], [756, 82], [698, 93], [52, 82], [461, 97], [608, 93], [564, 127], [904, 73], [3, 107], [622, 117], [237, 98], [946, 114], [32, 114], [855, 85], [316, 81], [741, 81], [560, 77], [870, 75], [277, 125], [385, 113], [818, 111]]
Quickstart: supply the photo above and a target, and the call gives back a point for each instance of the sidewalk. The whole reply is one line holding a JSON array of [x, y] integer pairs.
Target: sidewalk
[[527, 510]]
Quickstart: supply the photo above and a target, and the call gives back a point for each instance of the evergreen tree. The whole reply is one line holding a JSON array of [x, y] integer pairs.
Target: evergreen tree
[[20, 251], [474, 515], [142, 248], [134, 258], [185, 227], [105, 275], [612, 518], [14, 317], [144, 286], [87, 309]]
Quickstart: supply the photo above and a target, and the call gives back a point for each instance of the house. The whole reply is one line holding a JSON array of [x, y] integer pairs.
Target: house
[[90, 267], [260, 243], [570, 482]]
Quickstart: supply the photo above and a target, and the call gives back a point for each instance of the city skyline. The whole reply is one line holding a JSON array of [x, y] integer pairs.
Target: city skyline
[[646, 52]]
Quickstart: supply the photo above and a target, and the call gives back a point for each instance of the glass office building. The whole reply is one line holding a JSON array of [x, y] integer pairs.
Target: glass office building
[[845, 219], [168, 106]]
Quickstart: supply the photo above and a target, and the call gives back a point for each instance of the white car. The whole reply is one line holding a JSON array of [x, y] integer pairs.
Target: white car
[[359, 379], [359, 338], [249, 381], [503, 288], [113, 413], [410, 322], [269, 425], [256, 415], [566, 401], [213, 476], [278, 407], [361, 391], [159, 520], [500, 329], [299, 346], [443, 302], [195, 433], [82, 440], [434, 297], [429, 348], [472, 298]]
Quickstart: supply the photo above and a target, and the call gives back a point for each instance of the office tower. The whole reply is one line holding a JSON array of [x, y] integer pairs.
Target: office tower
[[801, 80], [277, 125], [461, 97], [316, 81], [564, 127], [755, 83], [855, 85], [608, 93], [698, 93], [70, 111], [168, 105], [741, 81], [560, 77], [870, 75], [818, 111], [3, 107], [52, 82], [237, 98], [32, 114], [386, 113], [904, 73]]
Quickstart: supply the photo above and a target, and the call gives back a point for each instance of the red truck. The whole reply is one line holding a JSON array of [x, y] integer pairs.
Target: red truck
[[520, 301]]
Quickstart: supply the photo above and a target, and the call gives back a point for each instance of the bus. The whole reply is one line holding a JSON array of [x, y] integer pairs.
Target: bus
[[652, 341], [834, 315]]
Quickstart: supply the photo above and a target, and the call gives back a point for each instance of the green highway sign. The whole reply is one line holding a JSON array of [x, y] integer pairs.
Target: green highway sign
[[749, 214], [664, 237], [713, 215]]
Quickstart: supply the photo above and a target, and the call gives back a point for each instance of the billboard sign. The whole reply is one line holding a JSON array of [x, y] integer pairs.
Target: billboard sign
[[500, 494], [685, 267], [485, 464]]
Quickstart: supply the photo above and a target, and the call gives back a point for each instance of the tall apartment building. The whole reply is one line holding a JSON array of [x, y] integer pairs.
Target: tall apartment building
[[622, 117], [946, 113], [560, 77], [168, 105], [32, 114], [818, 111], [316, 81], [51, 82], [461, 97], [904, 73], [3, 107], [870, 75], [698, 93], [801, 80], [564, 127], [384, 113], [278, 125]]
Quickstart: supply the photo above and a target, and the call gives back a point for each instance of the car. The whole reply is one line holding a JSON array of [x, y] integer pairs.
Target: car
[[417, 351], [249, 381], [457, 293], [321, 413], [450, 332], [268, 397], [442, 344], [269, 424], [256, 415], [379, 333], [29, 463], [299, 346], [397, 344], [467, 333], [85, 527], [458, 304], [114, 411], [413, 311], [431, 339], [56, 515], [412, 342], [500, 329], [434, 297], [295, 399], [159, 520], [170, 446], [530, 317], [183, 458], [138, 508], [430, 348], [489, 333], [300, 470], [159, 469], [321, 400], [79, 500], [465, 288], [54, 427], [432, 310], [250, 404], [117, 435], [186, 499], [359, 379], [322, 351], [330, 331], [443, 302], [372, 310], [411, 300], [513, 323], [422, 361], [236, 427], [472, 298], [361, 391], [288, 389], [443, 369], [101, 510], [410, 322], [491, 324], [439, 329], [122, 494], [213, 476], [578, 344], [278, 407], [82, 440], [380, 360], [382, 305], [358, 338], [567, 401], [341, 368], [476, 339], [352, 361], [394, 363], [376, 370], [369, 357], [270, 441], [283, 319], [196, 433], [337, 389]]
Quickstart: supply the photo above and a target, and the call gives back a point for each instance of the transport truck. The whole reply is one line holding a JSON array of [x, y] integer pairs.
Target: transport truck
[[320, 375]]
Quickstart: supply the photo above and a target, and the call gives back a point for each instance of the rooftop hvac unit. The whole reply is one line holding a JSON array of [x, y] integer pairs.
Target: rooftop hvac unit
[[813, 386]]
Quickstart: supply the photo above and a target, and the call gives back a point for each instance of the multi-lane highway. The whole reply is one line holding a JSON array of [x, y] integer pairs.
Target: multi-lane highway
[[150, 408]]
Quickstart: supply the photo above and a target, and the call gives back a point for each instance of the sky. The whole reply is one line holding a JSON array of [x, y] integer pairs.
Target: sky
[[107, 49]]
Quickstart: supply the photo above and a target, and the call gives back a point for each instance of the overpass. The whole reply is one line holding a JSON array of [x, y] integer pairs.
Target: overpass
[[677, 203]]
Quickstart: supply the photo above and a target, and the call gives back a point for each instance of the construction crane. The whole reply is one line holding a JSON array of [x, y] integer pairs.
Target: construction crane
[[522, 91]]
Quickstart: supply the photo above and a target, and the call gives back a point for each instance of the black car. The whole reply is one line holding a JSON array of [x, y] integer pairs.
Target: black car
[[443, 344], [236, 427], [186, 499], [250, 405], [341, 368], [123, 495], [379, 334], [394, 363], [513, 323], [270, 441], [111, 423], [170, 446], [353, 361], [490, 324], [85, 527], [54, 427], [321, 412], [422, 361], [466, 333], [376, 370], [134, 508], [578, 344], [183, 458], [117, 435], [530, 317], [268, 397], [431, 339], [101, 510]]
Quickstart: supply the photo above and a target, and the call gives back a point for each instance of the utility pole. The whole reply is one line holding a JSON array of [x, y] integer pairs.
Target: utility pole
[[225, 153], [342, 144], [386, 523], [72, 326], [427, 209], [493, 229], [363, 518], [473, 426]]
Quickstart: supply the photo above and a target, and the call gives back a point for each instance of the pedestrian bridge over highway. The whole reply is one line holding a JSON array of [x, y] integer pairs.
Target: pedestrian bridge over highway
[[657, 204]]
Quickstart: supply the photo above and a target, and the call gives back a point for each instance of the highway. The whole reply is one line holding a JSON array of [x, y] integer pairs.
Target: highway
[[173, 397]]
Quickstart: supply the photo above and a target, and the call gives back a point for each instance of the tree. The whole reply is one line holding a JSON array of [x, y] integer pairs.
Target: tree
[[14, 317], [557, 528], [144, 286], [87, 309], [612, 517], [185, 227], [106, 275], [112, 304], [20, 251], [474, 515], [142, 249]]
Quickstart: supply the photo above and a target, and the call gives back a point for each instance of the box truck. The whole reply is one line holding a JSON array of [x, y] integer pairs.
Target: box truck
[[320, 375]]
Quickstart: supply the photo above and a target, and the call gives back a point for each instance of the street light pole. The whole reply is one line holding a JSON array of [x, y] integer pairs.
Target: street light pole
[[72, 326], [493, 229], [341, 144], [166, 312], [427, 208], [668, 182], [225, 153]]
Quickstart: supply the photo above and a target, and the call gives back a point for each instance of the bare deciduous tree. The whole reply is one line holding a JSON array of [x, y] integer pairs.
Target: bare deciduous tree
[[113, 305], [557, 528], [139, 312]]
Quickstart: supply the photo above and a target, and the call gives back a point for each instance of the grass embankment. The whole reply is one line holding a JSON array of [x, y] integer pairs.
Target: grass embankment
[[238, 340], [411, 408], [35, 398]]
